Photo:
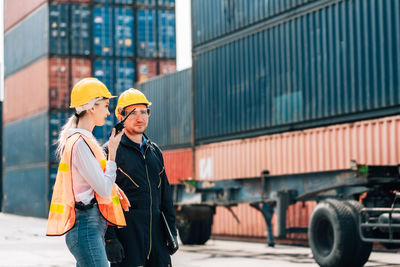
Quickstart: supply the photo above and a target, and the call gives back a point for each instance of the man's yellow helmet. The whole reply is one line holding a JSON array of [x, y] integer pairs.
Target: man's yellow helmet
[[87, 89], [130, 97]]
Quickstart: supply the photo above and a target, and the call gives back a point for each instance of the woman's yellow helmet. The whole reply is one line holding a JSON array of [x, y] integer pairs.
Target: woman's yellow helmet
[[87, 89]]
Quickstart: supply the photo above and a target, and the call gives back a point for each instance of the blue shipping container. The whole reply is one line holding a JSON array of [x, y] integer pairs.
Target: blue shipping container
[[124, 31], [166, 34], [80, 30], [146, 2], [19, 52], [146, 46], [103, 35], [103, 69], [166, 3], [333, 64], [215, 18], [171, 109], [57, 119], [125, 76], [122, 2], [102, 133], [58, 20]]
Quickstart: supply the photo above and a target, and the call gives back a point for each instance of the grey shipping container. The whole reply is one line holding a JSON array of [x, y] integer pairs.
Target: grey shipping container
[[215, 18], [339, 62], [27, 41], [171, 109]]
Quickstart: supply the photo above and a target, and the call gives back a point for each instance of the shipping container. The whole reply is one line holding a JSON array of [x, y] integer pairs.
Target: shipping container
[[25, 190], [212, 19], [25, 91], [80, 26], [109, 2], [178, 164], [117, 74], [166, 34], [124, 31], [71, 1], [102, 133], [59, 29], [147, 33], [146, 69], [145, 2], [166, 3], [103, 31], [57, 119], [329, 65], [27, 42], [62, 71], [15, 11], [167, 66], [170, 122], [372, 142]]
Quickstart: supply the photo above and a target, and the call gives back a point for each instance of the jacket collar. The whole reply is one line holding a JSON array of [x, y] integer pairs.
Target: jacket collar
[[129, 143]]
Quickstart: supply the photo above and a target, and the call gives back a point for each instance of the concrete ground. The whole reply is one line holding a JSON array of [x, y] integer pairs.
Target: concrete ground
[[23, 243]]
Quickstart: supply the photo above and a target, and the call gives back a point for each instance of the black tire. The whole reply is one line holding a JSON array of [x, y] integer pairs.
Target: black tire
[[204, 231], [187, 233], [331, 234], [362, 249], [195, 232]]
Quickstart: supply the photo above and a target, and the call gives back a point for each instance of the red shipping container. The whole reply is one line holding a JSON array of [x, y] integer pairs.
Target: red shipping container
[[63, 70], [178, 164], [375, 142], [146, 69], [167, 66], [25, 92], [17, 10]]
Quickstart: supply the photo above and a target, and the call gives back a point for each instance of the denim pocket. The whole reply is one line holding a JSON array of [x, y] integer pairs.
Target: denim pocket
[[71, 238]]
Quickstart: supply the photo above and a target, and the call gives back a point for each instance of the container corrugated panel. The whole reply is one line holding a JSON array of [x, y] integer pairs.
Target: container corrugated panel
[[25, 190], [146, 2], [80, 38], [103, 34], [178, 164], [215, 18], [103, 69], [169, 124], [80, 68], [124, 31], [28, 135], [57, 120], [19, 53], [26, 92], [125, 76], [146, 69], [109, 2], [167, 66], [15, 11], [166, 34], [373, 142], [71, 1], [166, 3], [147, 30], [59, 30], [59, 89], [335, 64]]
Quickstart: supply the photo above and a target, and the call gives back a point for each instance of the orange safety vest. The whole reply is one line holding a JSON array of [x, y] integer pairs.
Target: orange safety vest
[[62, 207]]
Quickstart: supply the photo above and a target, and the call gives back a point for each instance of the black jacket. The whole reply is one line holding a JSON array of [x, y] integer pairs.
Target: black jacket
[[142, 177]]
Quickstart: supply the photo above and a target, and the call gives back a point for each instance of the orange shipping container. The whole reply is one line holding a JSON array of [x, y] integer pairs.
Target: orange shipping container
[[167, 66], [178, 164], [25, 92], [146, 69], [319, 149], [17, 10]]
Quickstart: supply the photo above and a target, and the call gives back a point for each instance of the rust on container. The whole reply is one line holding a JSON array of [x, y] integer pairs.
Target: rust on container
[[17, 10], [146, 69], [25, 92], [178, 164]]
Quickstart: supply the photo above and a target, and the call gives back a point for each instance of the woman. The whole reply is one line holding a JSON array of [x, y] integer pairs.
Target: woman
[[85, 196]]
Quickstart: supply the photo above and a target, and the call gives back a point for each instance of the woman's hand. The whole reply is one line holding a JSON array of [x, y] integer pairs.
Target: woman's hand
[[113, 144]]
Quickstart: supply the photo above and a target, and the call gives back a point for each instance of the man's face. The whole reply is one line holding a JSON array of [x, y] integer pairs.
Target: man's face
[[138, 121]]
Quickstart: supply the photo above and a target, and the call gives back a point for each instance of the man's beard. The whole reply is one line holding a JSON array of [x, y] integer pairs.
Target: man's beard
[[133, 132]]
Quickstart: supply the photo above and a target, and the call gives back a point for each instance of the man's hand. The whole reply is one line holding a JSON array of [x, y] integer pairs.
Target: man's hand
[[114, 250]]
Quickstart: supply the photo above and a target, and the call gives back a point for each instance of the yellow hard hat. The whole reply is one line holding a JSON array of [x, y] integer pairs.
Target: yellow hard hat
[[130, 97], [87, 89]]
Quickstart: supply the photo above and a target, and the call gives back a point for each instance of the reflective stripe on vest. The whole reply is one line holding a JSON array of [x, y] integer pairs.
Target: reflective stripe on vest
[[62, 207]]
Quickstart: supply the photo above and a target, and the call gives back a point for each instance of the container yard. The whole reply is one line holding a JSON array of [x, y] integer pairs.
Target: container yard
[[291, 103]]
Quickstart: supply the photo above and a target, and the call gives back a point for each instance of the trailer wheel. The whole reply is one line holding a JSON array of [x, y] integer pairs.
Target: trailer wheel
[[194, 224], [331, 234], [204, 231], [362, 249]]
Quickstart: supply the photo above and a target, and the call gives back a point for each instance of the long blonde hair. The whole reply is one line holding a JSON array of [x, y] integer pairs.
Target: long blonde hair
[[72, 123]]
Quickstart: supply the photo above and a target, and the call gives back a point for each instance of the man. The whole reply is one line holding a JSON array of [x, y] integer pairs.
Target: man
[[141, 175]]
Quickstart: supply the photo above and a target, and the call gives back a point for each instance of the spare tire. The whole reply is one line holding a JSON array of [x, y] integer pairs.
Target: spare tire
[[331, 234]]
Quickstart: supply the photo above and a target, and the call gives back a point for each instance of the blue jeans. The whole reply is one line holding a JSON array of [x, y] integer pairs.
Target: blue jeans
[[86, 239]]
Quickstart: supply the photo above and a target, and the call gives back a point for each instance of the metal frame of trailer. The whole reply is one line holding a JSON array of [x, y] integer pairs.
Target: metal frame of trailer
[[355, 207]]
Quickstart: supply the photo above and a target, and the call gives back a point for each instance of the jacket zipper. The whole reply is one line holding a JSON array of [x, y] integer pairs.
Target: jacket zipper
[[128, 176]]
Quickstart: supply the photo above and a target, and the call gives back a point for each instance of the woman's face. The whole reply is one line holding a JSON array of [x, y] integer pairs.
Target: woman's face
[[101, 112]]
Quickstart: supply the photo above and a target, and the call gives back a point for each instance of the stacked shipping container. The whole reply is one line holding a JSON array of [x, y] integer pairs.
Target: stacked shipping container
[[49, 46], [263, 67]]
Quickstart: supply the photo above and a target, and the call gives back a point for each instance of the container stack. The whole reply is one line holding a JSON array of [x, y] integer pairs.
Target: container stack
[[290, 88], [49, 46]]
